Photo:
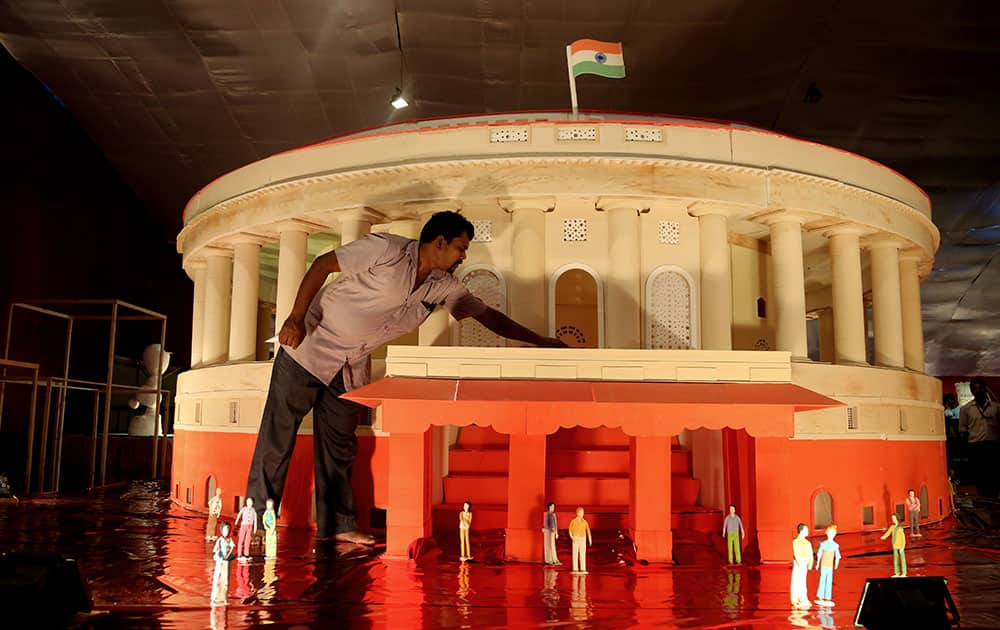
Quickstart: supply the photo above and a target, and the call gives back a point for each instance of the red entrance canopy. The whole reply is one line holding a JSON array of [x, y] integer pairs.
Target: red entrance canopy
[[412, 405]]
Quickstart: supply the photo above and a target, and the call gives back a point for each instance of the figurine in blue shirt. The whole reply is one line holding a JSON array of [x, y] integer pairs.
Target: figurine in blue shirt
[[827, 560]]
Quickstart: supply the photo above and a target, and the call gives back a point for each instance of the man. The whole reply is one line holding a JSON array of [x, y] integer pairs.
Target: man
[[579, 533], [733, 532], [551, 530], [977, 422], [214, 512], [898, 545], [388, 285], [913, 507], [247, 522], [827, 561]]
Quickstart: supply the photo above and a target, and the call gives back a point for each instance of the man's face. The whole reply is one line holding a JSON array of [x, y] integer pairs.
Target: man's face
[[732, 510], [451, 254], [978, 391]]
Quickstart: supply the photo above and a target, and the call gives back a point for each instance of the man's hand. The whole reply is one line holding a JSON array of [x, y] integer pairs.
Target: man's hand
[[551, 342], [293, 331]]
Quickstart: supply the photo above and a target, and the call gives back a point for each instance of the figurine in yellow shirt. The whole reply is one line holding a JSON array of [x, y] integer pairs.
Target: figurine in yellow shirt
[[464, 525], [802, 563], [579, 533], [898, 546]]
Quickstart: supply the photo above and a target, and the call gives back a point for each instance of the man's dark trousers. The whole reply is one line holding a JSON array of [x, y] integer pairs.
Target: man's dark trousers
[[292, 393]]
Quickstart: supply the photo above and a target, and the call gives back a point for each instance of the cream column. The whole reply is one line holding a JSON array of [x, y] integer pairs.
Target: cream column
[[246, 294], [218, 293], [886, 302], [291, 269], [198, 276], [526, 295], [789, 284], [623, 293], [913, 327], [848, 306], [356, 223], [715, 260]]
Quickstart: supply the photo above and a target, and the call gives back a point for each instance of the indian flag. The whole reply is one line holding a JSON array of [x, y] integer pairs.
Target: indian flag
[[589, 56]]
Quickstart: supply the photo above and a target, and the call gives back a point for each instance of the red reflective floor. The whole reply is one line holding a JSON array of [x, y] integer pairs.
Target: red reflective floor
[[147, 565]]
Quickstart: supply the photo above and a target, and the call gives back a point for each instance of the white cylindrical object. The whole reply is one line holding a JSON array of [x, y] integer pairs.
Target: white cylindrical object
[[887, 305], [526, 287], [913, 327], [848, 306], [291, 270], [246, 293], [218, 293], [716, 282], [789, 287], [199, 273], [622, 311]]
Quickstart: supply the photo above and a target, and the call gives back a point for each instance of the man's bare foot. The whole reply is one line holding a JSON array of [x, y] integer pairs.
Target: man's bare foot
[[356, 537]]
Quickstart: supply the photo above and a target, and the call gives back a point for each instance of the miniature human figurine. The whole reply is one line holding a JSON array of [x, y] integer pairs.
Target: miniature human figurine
[[733, 532], [270, 530], [898, 546], [214, 510], [827, 560], [913, 507], [579, 533], [247, 520], [222, 553], [802, 562], [551, 530], [464, 524]]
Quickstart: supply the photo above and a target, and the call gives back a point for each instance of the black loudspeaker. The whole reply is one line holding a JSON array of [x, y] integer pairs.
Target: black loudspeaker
[[43, 588], [911, 602]]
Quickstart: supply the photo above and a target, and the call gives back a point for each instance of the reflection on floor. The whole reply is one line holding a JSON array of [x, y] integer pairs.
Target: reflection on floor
[[147, 564]]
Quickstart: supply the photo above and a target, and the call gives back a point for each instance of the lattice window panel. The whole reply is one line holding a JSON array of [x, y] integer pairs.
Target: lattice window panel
[[509, 134], [761, 344], [643, 134], [572, 335], [485, 285], [668, 232], [483, 229], [576, 134], [670, 312], [574, 229]]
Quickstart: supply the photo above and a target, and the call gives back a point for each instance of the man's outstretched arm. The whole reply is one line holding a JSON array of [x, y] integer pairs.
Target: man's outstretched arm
[[293, 331], [506, 327]]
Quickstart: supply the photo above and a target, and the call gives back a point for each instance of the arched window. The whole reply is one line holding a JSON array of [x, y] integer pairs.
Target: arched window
[[209, 489], [822, 510], [576, 306], [487, 285], [670, 310], [925, 503]]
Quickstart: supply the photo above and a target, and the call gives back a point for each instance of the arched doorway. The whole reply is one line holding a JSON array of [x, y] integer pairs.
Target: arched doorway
[[209, 488], [576, 307]]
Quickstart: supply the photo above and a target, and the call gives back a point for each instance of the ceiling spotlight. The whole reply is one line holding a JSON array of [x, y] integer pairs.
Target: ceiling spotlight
[[398, 101]]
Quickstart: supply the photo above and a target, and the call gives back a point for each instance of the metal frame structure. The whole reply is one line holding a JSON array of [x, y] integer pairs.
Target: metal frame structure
[[61, 309]]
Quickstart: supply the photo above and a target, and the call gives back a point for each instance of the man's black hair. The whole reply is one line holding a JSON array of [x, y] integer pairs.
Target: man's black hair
[[549, 504], [798, 528], [976, 381], [448, 224], [732, 505]]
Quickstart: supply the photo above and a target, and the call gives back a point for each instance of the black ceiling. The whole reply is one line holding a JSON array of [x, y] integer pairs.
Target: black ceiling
[[178, 92]]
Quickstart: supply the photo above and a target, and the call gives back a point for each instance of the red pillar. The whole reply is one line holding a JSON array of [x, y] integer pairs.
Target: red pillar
[[525, 497], [649, 497], [409, 515]]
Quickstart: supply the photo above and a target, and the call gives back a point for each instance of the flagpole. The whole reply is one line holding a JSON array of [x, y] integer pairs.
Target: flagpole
[[572, 82]]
